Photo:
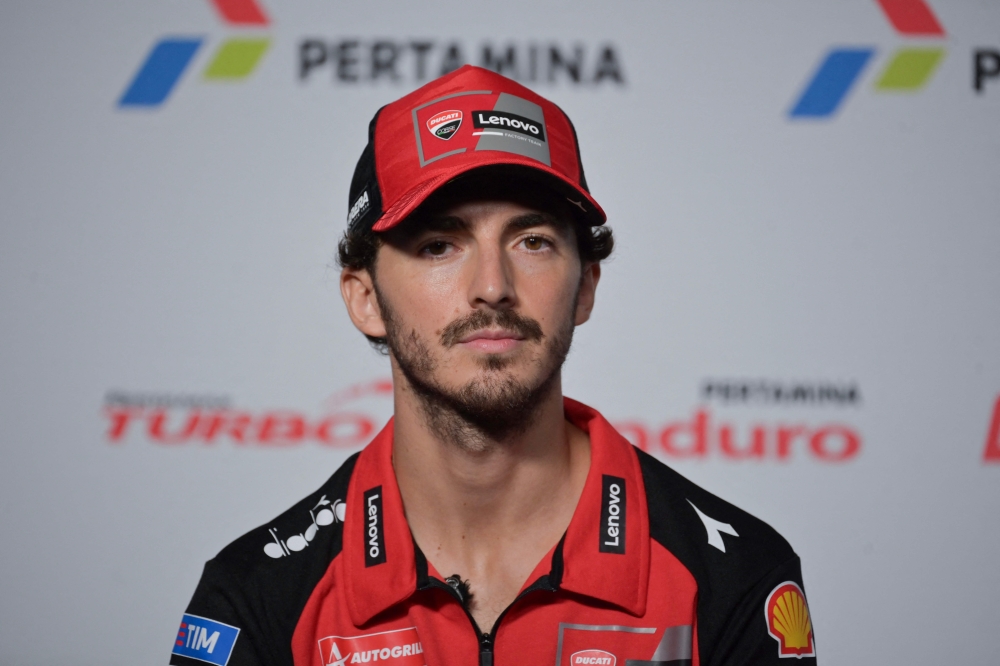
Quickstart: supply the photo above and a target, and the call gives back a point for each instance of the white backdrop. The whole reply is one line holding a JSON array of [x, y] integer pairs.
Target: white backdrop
[[176, 366]]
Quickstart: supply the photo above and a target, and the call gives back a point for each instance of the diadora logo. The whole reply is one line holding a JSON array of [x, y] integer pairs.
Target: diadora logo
[[205, 640], [235, 59], [908, 70], [374, 537], [613, 515], [444, 125], [321, 517]]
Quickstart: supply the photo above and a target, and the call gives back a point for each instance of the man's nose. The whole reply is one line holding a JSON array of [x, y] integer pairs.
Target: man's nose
[[492, 280]]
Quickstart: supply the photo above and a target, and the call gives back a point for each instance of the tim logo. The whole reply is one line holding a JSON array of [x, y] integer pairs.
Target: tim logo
[[206, 640], [235, 59], [444, 125], [909, 69], [374, 535], [613, 515], [592, 658]]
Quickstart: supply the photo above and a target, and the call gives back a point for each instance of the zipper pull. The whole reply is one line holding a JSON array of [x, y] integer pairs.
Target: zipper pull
[[485, 651]]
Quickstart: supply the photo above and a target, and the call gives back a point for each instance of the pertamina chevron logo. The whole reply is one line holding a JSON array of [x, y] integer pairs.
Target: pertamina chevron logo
[[235, 58], [908, 70]]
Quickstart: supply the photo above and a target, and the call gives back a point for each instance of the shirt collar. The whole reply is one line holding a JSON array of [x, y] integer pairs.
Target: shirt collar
[[381, 559]]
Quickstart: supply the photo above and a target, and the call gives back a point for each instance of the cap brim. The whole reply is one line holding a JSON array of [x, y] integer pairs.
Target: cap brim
[[399, 210]]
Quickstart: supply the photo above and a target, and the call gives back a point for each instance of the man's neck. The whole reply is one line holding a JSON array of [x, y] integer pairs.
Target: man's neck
[[491, 513]]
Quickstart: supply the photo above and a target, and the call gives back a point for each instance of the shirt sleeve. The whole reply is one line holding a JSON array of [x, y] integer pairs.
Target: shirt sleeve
[[219, 626], [770, 624]]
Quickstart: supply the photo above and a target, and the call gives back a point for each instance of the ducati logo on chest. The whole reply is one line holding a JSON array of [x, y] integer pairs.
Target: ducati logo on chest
[[444, 125], [592, 658]]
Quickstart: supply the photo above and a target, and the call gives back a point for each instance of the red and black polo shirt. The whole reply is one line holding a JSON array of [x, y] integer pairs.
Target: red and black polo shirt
[[652, 570]]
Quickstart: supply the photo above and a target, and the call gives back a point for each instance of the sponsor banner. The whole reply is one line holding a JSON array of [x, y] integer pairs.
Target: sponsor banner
[[350, 420], [351, 60], [346, 419], [771, 433], [408, 62]]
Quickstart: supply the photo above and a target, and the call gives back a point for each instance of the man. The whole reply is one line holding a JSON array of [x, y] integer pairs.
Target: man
[[492, 521]]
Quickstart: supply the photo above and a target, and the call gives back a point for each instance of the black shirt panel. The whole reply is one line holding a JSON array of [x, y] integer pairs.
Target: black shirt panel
[[261, 582], [734, 584]]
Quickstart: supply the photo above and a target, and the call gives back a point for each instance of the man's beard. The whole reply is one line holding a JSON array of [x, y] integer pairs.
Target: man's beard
[[490, 408]]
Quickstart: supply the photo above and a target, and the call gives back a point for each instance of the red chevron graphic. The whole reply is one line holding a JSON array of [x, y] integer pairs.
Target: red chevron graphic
[[912, 17], [241, 12]]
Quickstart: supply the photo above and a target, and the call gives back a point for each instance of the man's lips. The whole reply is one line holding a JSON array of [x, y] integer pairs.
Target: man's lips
[[491, 341]]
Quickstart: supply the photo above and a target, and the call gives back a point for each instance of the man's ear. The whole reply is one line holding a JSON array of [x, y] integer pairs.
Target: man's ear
[[358, 290], [588, 292]]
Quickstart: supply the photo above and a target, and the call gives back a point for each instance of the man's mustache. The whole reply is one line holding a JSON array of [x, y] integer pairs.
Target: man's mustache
[[508, 320]]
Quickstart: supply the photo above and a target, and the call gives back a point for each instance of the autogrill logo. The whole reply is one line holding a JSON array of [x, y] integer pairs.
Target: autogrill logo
[[401, 647], [374, 537], [613, 515]]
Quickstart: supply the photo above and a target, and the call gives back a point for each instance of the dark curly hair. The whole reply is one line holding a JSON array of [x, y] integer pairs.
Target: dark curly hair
[[358, 248]]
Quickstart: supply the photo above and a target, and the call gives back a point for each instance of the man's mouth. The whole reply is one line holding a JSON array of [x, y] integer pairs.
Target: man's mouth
[[491, 332], [491, 341]]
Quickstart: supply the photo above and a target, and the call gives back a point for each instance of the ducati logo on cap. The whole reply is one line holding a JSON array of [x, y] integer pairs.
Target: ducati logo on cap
[[444, 125]]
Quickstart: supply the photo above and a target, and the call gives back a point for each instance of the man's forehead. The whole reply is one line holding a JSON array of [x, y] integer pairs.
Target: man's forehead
[[472, 214]]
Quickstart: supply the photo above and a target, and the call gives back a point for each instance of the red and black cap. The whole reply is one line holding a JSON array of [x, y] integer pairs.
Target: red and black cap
[[469, 120]]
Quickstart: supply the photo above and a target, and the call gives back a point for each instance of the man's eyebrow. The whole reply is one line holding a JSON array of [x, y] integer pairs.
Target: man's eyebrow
[[529, 220], [439, 223]]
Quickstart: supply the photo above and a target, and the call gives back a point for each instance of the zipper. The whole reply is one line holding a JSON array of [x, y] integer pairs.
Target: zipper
[[486, 641]]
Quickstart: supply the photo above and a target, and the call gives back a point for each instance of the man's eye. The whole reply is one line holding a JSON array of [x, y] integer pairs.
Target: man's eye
[[437, 248], [534, 243]]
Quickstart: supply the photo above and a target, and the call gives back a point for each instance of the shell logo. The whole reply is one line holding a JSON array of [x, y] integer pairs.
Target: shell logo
[[788, 622]]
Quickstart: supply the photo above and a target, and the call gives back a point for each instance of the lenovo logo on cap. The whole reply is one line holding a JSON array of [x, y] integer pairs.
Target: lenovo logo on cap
[[511, 121], [444, 125]]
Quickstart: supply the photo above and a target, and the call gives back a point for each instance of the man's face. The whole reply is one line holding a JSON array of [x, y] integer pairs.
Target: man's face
[[478, 301]]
